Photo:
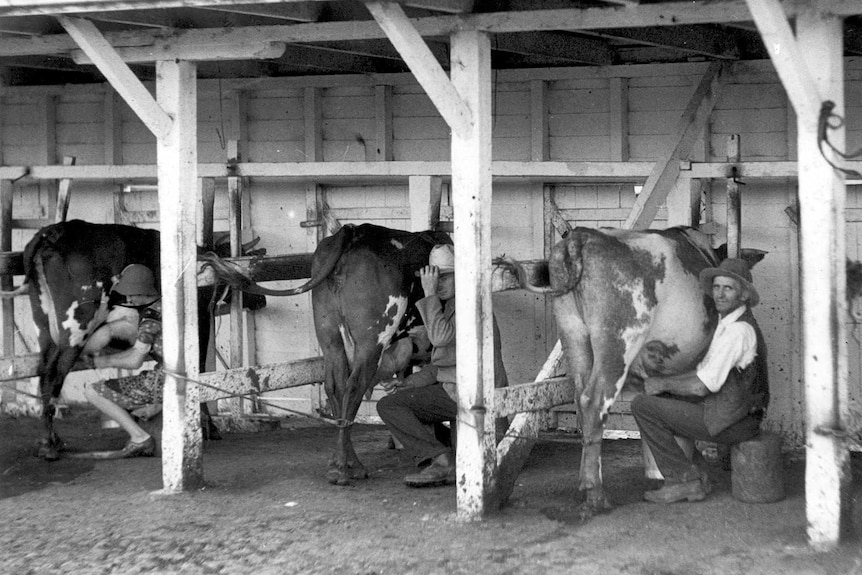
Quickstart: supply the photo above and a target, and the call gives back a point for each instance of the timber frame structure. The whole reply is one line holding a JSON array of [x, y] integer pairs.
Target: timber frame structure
[[809, 62]]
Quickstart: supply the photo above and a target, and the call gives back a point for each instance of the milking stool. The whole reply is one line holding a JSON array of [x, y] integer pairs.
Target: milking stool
[[757, 469]]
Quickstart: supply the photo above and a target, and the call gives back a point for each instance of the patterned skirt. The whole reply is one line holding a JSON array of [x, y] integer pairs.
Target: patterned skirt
[[134, 391]]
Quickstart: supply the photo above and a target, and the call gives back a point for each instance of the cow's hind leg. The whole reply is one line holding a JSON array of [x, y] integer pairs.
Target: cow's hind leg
[[347, 465], [55, 366]]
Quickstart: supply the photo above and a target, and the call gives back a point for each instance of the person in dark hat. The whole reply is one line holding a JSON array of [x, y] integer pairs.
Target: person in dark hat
[[723, 401], [429, 396], [136, 291]]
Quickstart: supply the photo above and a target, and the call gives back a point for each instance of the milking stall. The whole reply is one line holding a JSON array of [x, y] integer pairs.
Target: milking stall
[[274, 124]]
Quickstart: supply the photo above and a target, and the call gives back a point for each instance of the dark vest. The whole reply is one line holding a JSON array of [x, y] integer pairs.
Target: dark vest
[[745, 392]]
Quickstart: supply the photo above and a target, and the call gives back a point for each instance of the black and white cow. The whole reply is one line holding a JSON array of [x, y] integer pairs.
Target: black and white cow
[[69, 269], [364, 286]]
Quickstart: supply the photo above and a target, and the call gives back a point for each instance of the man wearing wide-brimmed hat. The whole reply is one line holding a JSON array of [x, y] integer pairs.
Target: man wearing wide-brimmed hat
[[722, 401]]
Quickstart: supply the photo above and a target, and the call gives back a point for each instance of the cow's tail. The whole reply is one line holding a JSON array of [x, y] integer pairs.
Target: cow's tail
[[525, 281], [328, 254], [20, 290], [232, 276], [567, 263]]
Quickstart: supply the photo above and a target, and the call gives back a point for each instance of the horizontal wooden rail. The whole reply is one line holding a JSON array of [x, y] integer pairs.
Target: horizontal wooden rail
[[351, 172]]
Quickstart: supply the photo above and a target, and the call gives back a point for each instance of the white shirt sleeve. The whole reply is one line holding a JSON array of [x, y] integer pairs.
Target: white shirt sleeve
[[733, 345]]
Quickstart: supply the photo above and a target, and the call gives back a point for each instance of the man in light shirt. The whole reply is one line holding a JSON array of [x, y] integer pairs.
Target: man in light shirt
[[722, 401]]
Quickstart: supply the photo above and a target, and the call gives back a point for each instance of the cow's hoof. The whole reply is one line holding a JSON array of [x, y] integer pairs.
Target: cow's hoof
[[340, 476], [590, 509], [336, 477], [47, 451], [211, 433]]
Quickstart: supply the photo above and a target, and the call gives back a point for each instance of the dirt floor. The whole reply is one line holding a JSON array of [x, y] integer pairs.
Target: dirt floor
[[267, 509]]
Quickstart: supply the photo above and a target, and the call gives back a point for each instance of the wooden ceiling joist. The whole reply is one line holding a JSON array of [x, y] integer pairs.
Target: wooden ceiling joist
[[555, 45], [572, 19], [699, 40]]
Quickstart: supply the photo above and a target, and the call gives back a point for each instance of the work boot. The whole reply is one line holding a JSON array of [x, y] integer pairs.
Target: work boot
[[440, 472], [677, 491], [702, 466]]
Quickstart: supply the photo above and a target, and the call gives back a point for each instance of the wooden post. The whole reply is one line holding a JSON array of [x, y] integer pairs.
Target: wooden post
[[182, 466], [425, 194], [313, 114], [471, 187], [734, 201], [64, 189], [821, 212], [113, 129], [7, 306], [205, 217], [383, 129], [237, 406]]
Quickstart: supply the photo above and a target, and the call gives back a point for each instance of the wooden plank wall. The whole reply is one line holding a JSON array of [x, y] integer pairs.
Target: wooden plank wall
[[586, 110]]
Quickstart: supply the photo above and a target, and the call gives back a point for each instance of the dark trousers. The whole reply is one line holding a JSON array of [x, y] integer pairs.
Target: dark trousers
[[408, 412], [660, 418]]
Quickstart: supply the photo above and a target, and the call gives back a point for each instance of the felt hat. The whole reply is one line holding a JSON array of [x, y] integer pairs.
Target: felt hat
[[443, 256], [732, 268], [137, 279]]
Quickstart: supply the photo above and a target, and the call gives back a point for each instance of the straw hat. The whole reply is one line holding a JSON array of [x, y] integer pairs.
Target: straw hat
[[732, 268]]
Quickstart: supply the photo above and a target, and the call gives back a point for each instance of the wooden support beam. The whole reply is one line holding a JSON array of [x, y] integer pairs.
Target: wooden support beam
[[471, 201], [383, 127], [113, 128], [537, 396], [539, 139], [124, 81], [7, 306], [788, 58], [182, 466], [586, 18], [64, 193], [515, 448], [823, 272], [664, 174], [215, 51], [423, 64], [236, 407], [619, 119], [734, 202], [425, 193], [261, 378], [313, 113]]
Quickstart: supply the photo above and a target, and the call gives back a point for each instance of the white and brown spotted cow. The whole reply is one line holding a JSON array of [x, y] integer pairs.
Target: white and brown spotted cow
[[628, 304], [69, 269]]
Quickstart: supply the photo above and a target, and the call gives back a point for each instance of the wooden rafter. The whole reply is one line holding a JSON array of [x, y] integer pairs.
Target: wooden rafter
[[118, 74], [666, 170], [692, 39], [555, 45], [423, 64], [788, 60]]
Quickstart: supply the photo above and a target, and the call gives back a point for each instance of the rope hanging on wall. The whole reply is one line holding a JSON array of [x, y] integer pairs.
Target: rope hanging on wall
[[829, 120]]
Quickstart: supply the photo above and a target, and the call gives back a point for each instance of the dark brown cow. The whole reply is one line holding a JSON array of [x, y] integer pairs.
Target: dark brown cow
[[69, 269], [363, 289], [628, 305]]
